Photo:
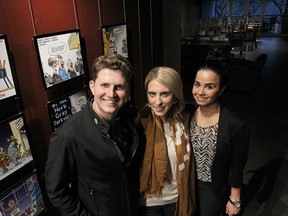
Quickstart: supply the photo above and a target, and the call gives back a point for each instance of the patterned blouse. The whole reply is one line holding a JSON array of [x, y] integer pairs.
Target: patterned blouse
[[203, 140]]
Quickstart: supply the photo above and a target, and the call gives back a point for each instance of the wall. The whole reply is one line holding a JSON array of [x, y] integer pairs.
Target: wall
[[172, 34], [23, 19], [20, 21]]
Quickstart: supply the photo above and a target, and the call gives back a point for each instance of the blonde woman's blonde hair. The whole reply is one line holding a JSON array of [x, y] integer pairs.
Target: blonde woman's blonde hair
[[171, 79]]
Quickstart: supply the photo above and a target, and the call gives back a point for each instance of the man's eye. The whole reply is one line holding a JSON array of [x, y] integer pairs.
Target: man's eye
[[196, 84], [105, 85], [120, 87]]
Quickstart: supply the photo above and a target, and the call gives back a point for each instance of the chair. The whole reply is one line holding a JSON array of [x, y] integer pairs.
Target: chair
[[250, 36], [244, 75], [236, 39]]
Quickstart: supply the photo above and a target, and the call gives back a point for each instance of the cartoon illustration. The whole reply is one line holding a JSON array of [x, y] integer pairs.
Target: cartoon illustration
[[4, 160], [52, 62], [71, 70], [24, 199], [79, 66], [109, 42], [13, 154], [62, 52], [7, 86], [112, 45], [12, 208], [105, 40], [62, 109], [3, 74], [115, 40], [73, 110], [124, 46], [14, 147], [61, 71], [14, 150]]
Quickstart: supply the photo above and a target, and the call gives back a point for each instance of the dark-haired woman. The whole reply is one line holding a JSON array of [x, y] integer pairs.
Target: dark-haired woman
[[220, 144]]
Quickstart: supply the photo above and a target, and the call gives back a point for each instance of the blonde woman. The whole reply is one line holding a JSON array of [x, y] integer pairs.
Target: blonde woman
[[167, 173]]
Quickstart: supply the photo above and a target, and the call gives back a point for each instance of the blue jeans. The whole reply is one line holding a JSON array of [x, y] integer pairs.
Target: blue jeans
[[164, 210]]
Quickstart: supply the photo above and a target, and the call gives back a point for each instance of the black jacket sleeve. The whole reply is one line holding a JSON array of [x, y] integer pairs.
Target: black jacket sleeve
[[240, 143], [59, 177]]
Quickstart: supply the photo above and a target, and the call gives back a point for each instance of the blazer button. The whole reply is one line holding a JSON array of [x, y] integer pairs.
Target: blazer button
[[91, 192]]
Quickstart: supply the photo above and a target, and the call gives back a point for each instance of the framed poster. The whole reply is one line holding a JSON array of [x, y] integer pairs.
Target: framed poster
[[114, 39], [15, 149], [24, 198], [60, 57], [63, 108], [7, 84]]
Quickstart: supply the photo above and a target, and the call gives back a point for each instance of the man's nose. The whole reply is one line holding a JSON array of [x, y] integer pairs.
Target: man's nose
[[111, 91]]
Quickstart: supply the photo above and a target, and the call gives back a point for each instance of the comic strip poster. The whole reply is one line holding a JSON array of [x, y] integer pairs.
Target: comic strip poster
[[60, 110], [115, 39], [60, 57], [25, 198], [14, 146], [7, 86]]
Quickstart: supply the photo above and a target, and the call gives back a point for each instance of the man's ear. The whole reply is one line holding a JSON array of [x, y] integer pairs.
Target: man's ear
[[91, 86]]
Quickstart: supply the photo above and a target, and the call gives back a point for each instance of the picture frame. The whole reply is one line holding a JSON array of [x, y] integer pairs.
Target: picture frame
[[23, 198], [114, 39], [15, 151], [61, 109], [60, 57], [7, 75]]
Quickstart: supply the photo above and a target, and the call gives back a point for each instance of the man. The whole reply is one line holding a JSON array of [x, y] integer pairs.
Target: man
[[89, 154]]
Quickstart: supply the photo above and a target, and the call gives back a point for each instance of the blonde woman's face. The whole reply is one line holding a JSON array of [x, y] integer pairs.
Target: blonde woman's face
[[160, 98]]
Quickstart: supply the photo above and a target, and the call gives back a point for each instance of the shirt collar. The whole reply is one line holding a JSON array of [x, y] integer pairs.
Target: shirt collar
[[103, 125]]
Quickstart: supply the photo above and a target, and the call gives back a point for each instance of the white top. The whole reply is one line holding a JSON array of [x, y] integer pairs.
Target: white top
[[169, 192]]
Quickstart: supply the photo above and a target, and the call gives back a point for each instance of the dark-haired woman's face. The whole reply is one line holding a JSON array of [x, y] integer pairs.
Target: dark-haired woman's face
[[206, 88]]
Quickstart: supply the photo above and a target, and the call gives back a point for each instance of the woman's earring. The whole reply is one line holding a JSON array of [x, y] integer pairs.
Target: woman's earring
[[221, 91]]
